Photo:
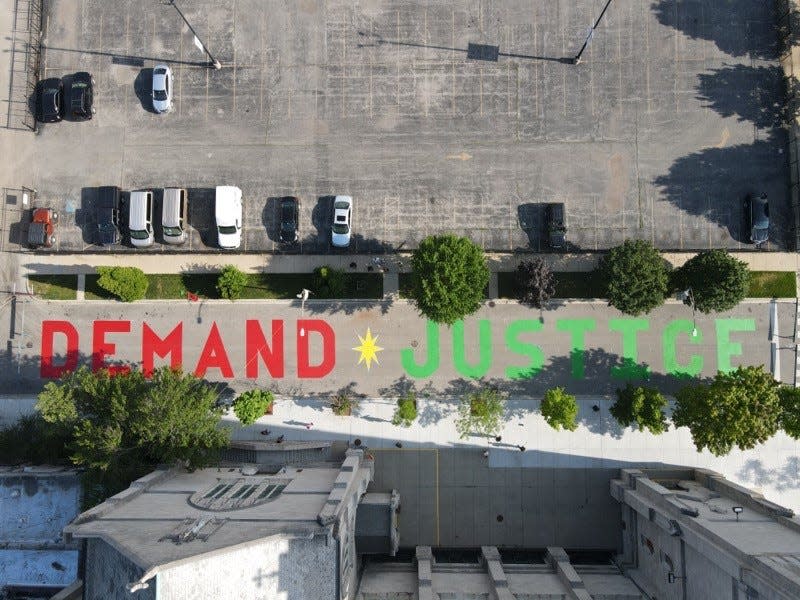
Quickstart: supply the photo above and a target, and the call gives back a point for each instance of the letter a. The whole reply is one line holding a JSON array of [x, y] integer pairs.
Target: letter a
[[214, 355]]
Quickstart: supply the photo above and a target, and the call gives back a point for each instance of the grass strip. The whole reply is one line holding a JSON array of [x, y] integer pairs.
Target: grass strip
[[54, 287], [772, 284]]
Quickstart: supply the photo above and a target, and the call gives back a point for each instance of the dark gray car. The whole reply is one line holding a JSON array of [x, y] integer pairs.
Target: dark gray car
[[107, 215], [556, 225], [757, 212]]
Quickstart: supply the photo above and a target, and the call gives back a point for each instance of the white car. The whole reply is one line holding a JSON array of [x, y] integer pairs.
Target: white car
[[162, 89], [342, 221], [228, 215]]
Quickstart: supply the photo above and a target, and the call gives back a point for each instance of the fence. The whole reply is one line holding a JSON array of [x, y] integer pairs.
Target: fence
[[26, 58]]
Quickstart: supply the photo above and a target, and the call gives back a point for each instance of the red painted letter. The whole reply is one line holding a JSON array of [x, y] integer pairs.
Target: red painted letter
[[304, 329], [152, 344], [257, 347], [46, 367], [214, 355], [102, 349]]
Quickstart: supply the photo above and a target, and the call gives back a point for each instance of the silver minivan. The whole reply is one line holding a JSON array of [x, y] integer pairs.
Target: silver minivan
[[173, 215], [140, 218]]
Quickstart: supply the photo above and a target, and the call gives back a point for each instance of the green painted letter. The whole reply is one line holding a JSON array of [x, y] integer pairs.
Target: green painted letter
[[484, 348], [432, 364], [725, 347], [532, 351], [628, 328], [671, 365], [577, 328]]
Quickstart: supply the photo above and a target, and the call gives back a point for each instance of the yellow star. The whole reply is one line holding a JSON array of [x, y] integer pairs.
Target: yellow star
[[368, 349]]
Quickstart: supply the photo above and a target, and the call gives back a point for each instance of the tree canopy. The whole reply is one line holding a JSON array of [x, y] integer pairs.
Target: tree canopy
[[231, 282], [559, 409], [642, 406], [449, 277], [718, 280], [535, 282], [480, 413], [124, 425], [127, 283], [251, 405], [790, 410], [636, 277], [739, 408]]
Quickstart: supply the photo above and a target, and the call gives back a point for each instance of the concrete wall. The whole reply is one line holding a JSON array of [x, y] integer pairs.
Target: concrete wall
[[652, 570], [278, 569], [108, 573]]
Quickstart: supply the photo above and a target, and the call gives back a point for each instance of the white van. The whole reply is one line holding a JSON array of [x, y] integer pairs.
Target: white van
[[173, 215], [140, 218], [228, 214]]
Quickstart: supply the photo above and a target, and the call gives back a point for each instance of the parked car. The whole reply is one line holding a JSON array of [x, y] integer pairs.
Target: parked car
[[228, 215], [173, 215], [290, 220], [42, 228], [162, 89], [756, 210], [140, 218], [81, 97], [107, 215], [556, 225], [342, 221], [50, 100]]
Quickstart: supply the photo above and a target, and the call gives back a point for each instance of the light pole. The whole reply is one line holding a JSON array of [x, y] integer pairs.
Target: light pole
[[303, 296], [213, 62], [688, 298], [577, 58]]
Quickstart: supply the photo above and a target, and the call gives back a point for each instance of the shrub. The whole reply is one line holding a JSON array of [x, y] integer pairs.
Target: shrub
[[343, 403], [559, 409], [643, 406], [231, 283], [127, 283], [635, 276], [251, 405], [329, 282], [535, 282], [480, 413], [406, 411], [790, 410]]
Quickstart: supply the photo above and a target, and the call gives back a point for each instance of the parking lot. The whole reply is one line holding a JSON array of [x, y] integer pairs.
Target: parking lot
[[670, 120]]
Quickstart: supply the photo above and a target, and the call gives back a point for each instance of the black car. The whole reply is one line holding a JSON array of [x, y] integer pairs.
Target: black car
[[756, 209], [50, 101], [81, 97], [556, 225], [290, 219], [108, 215]]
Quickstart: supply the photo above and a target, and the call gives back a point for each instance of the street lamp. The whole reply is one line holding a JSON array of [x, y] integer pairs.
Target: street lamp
[[213, 61], [577, 58], [688, 299], [303, 296]]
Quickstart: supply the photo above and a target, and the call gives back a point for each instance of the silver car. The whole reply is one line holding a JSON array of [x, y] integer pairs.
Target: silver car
[[162, 89], [342, 220]]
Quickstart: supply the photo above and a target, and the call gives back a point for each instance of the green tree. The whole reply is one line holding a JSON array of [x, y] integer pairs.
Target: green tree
[[535, 282], [127, 283], [406, 411], [122, 426], [559, 409], [480, 413], [32, 440], [329, 282], [251, 405], [790, 410], [231, 282], [449, 277], [643, 406], [739, 408], [718, 280], [636, 277]]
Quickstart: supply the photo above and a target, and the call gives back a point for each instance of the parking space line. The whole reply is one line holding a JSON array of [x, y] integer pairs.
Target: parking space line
[[453, 63], [233, 10]]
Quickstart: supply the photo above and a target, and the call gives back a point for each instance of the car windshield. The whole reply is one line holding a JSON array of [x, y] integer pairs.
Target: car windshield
[[340, 204], [172, 231], [227, 229], [139, 234], [79, 85], [159, 94], [340, 229]]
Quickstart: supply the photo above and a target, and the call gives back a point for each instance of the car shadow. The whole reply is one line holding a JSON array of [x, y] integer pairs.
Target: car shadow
[[143, 87], [270, 219]]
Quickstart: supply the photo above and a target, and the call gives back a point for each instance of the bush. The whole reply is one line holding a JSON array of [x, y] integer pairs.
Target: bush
[[32, 440], [635, 276], [231, 283], [343, 404], [535, 282], [559, 409], [406, 411], [450, 275], [643, 406], [329, 282], [480, 413], [718, 281], [127, 283], [790, 410], [251, 405]]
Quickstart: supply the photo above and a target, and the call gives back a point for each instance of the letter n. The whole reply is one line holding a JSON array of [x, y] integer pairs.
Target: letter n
[[256, 347]]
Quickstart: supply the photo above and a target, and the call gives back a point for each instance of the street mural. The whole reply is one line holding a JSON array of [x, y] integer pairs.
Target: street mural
[[315, 348]]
